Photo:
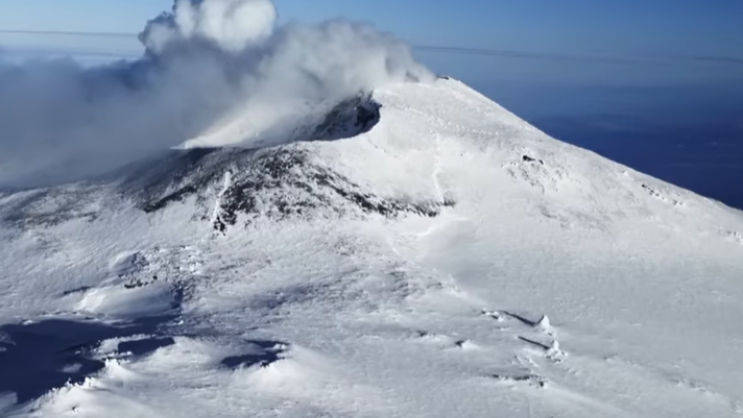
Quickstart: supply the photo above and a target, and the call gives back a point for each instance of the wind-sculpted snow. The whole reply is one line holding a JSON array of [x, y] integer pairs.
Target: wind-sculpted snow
[[415, 252]]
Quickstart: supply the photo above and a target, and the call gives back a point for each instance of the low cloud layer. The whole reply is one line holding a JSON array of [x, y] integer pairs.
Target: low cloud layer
[[204, 61]]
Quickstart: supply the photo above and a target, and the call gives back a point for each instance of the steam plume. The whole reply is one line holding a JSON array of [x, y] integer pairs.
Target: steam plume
[[205, 61]]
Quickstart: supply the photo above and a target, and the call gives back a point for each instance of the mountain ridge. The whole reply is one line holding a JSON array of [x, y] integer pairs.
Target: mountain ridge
[[447, 259]]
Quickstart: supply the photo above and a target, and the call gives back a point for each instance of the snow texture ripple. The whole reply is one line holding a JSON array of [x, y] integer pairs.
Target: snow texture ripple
[[420, 253]]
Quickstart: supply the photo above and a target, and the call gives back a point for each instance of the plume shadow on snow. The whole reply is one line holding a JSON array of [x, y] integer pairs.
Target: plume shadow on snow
[[138, 348], [49, 207], [261, 352], [38, 357]]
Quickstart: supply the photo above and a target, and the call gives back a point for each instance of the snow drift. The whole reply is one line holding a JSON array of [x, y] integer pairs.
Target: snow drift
[[443, 259], [204, 60]]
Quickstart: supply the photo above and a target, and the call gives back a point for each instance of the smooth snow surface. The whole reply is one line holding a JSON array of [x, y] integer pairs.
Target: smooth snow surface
[[451, 261]]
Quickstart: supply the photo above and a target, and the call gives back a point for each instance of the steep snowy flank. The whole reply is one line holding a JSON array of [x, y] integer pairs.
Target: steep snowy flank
[[417, 252]]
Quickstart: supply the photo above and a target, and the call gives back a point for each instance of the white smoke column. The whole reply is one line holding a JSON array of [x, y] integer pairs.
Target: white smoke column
[[207, 62], [232, 25]]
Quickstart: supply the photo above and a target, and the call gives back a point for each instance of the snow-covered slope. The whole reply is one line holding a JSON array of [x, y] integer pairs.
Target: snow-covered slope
[[421, 253]]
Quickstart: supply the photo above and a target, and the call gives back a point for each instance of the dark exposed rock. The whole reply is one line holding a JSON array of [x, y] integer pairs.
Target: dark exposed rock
[[529, 159], [279, 183], [275, 183], [349, 118], [532, 380]]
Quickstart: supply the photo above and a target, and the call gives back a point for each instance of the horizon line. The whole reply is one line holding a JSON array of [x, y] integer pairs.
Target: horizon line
[[493, 52]]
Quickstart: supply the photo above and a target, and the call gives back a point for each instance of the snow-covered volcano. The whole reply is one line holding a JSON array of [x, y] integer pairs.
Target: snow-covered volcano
[[420, 252]]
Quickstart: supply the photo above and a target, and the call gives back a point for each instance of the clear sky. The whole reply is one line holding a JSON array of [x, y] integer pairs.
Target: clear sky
[[624, 27]]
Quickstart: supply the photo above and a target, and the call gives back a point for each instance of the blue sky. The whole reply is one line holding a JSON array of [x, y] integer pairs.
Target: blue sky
[[672, 34], [625, 27]]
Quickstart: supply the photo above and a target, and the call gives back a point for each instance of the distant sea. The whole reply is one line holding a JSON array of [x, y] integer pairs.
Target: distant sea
[[679, 121]]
